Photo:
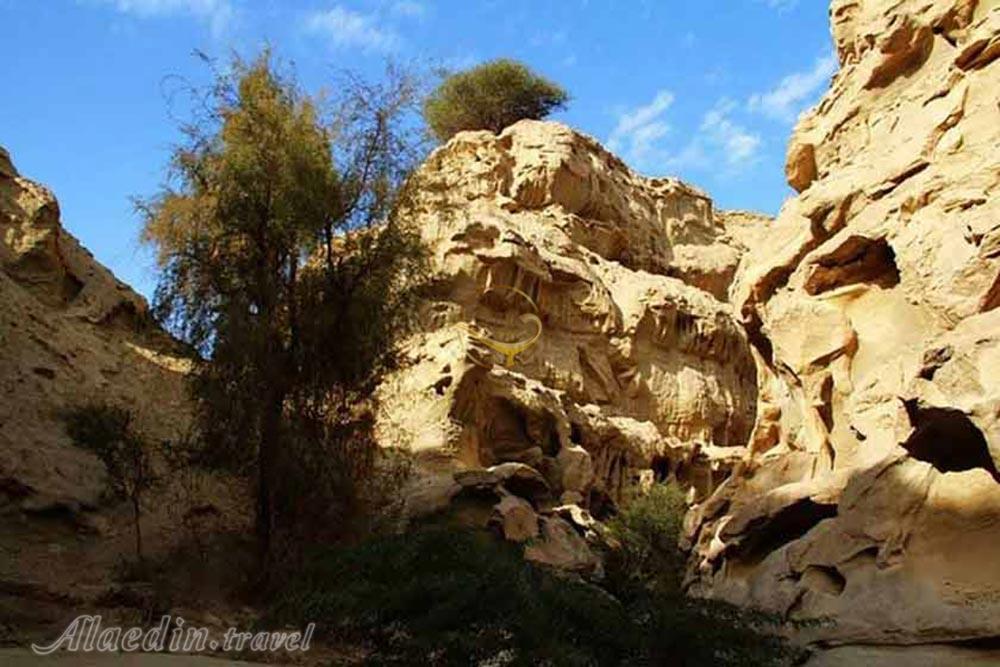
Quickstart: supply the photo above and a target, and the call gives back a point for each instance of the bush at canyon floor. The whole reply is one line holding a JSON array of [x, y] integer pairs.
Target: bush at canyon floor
[[446, 595]]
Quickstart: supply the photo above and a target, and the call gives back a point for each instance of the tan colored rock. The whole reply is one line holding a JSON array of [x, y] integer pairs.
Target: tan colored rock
[[800, 165], [576, 468], [516, 518], [930, 655], [577, 516], [871, 301], [477, 478], [636, 360], [524, 481], [6, 166], [562, 548], [70, 334], [824, 383]]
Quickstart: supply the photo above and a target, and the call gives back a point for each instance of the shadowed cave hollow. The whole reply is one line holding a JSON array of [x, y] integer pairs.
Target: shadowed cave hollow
[[948, 440], [858, 260], [787, 525]]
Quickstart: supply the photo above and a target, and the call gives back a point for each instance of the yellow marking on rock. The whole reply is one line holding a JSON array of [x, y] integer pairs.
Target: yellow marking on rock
[[510, 350]]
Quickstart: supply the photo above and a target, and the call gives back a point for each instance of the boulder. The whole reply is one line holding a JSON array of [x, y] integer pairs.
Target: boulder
[[562, 548], [576, 468], [516, 518]]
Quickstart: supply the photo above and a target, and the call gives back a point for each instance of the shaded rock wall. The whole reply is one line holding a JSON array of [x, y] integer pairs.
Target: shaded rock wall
[[70, 333]]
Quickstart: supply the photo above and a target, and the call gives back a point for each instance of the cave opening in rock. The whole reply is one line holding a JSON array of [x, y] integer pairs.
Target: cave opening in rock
[[602, 507], [660, 466], [991, 299], [755, 334], [948, 440], [858, 260], [824, 579], [553, 445], [786, 526], [989, 643]]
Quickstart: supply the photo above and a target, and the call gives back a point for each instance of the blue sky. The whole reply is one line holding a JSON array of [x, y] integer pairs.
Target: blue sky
[[706, 90]]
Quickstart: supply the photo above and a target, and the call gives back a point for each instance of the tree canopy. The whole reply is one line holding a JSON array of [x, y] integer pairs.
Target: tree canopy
[[285, 263], [490, 96]]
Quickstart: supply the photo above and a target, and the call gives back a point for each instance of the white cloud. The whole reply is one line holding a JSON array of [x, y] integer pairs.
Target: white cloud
[[780, 5], [217, 13], [409, 8], [638, 130], [346, 28], [720, 142], [786, 100], [739, 144]]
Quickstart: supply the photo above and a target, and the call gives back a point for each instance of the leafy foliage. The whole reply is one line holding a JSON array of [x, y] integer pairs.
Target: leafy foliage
[[445, 596], [647, 530], [108, 432], [286, 264], [490, 96]]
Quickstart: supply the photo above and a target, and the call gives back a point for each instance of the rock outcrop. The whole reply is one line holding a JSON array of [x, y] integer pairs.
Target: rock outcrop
[[640, 366], [70, 333], [872, 496], [825, 383]]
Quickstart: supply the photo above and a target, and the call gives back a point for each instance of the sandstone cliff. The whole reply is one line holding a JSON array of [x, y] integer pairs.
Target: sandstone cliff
[[826, 384], [873, 496], [640, 369], [70, 333]]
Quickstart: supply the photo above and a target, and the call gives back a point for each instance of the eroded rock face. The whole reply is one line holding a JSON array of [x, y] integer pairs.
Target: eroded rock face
[[826, 383], [70, 333], [871, 495], [639, 364]]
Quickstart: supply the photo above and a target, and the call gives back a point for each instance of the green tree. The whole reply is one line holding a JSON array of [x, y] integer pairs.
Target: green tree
[[647, 530], [284, 262], [490, 96], [108, 432], [491, 606]]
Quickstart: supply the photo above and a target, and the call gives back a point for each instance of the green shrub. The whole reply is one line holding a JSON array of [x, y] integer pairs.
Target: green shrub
[[445, 596], [451, 594], [647, 529], [490, 96], [108, 432]]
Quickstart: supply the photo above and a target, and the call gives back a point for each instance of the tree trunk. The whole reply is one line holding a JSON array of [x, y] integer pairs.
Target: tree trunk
[[265, 476], [136, 511]]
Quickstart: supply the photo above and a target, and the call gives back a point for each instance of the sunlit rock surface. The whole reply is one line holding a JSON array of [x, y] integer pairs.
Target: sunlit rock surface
[[825, 384], [70, 334], [872, 496]]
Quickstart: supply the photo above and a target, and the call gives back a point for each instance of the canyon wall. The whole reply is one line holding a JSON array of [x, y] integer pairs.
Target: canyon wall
[[70, 334], [640, 368], [872, 496], [825, 384]]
